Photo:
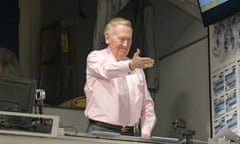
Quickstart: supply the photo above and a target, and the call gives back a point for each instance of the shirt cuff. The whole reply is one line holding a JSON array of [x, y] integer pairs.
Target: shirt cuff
[[127, 67]]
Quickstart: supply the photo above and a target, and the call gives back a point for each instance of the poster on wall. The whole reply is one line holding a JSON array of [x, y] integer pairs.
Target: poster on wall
[[224, 44]]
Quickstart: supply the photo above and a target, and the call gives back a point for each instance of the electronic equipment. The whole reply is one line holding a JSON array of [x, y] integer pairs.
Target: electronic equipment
[[213, 11], [17, 99], [17, 94], [33, 124]]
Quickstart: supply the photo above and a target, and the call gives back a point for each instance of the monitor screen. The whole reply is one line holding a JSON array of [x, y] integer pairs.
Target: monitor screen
[[17, 94], [213, 11], [209, 4]]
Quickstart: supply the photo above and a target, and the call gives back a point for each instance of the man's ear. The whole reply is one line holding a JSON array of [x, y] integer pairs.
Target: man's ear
[[107, 36], [106, 41]]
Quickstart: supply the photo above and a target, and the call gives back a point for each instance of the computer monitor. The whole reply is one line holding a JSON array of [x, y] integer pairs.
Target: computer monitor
[[213, 11], [17, 94]]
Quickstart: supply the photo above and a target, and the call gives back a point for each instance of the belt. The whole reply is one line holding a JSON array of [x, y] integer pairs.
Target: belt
[[117, 128]]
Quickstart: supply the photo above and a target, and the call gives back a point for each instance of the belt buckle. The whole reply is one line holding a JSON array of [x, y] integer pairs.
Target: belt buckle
[[124, 129]]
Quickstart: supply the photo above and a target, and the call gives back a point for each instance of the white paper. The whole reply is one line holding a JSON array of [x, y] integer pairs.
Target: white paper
[[228, 134]]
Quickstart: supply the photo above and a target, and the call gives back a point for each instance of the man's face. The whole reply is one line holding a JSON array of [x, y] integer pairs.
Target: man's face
[[120, 41]]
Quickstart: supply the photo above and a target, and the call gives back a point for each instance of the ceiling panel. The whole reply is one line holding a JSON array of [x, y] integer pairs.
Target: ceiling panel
[[189, 6]]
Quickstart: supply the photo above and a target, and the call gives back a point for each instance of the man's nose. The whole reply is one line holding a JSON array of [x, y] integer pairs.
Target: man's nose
[[125, 42]]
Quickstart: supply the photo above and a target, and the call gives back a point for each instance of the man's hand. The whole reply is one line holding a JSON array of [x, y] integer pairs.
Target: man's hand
[[145, 136], [140, 62]]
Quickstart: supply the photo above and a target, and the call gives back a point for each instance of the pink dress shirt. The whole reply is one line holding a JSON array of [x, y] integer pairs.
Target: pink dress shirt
[[103, 89]]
